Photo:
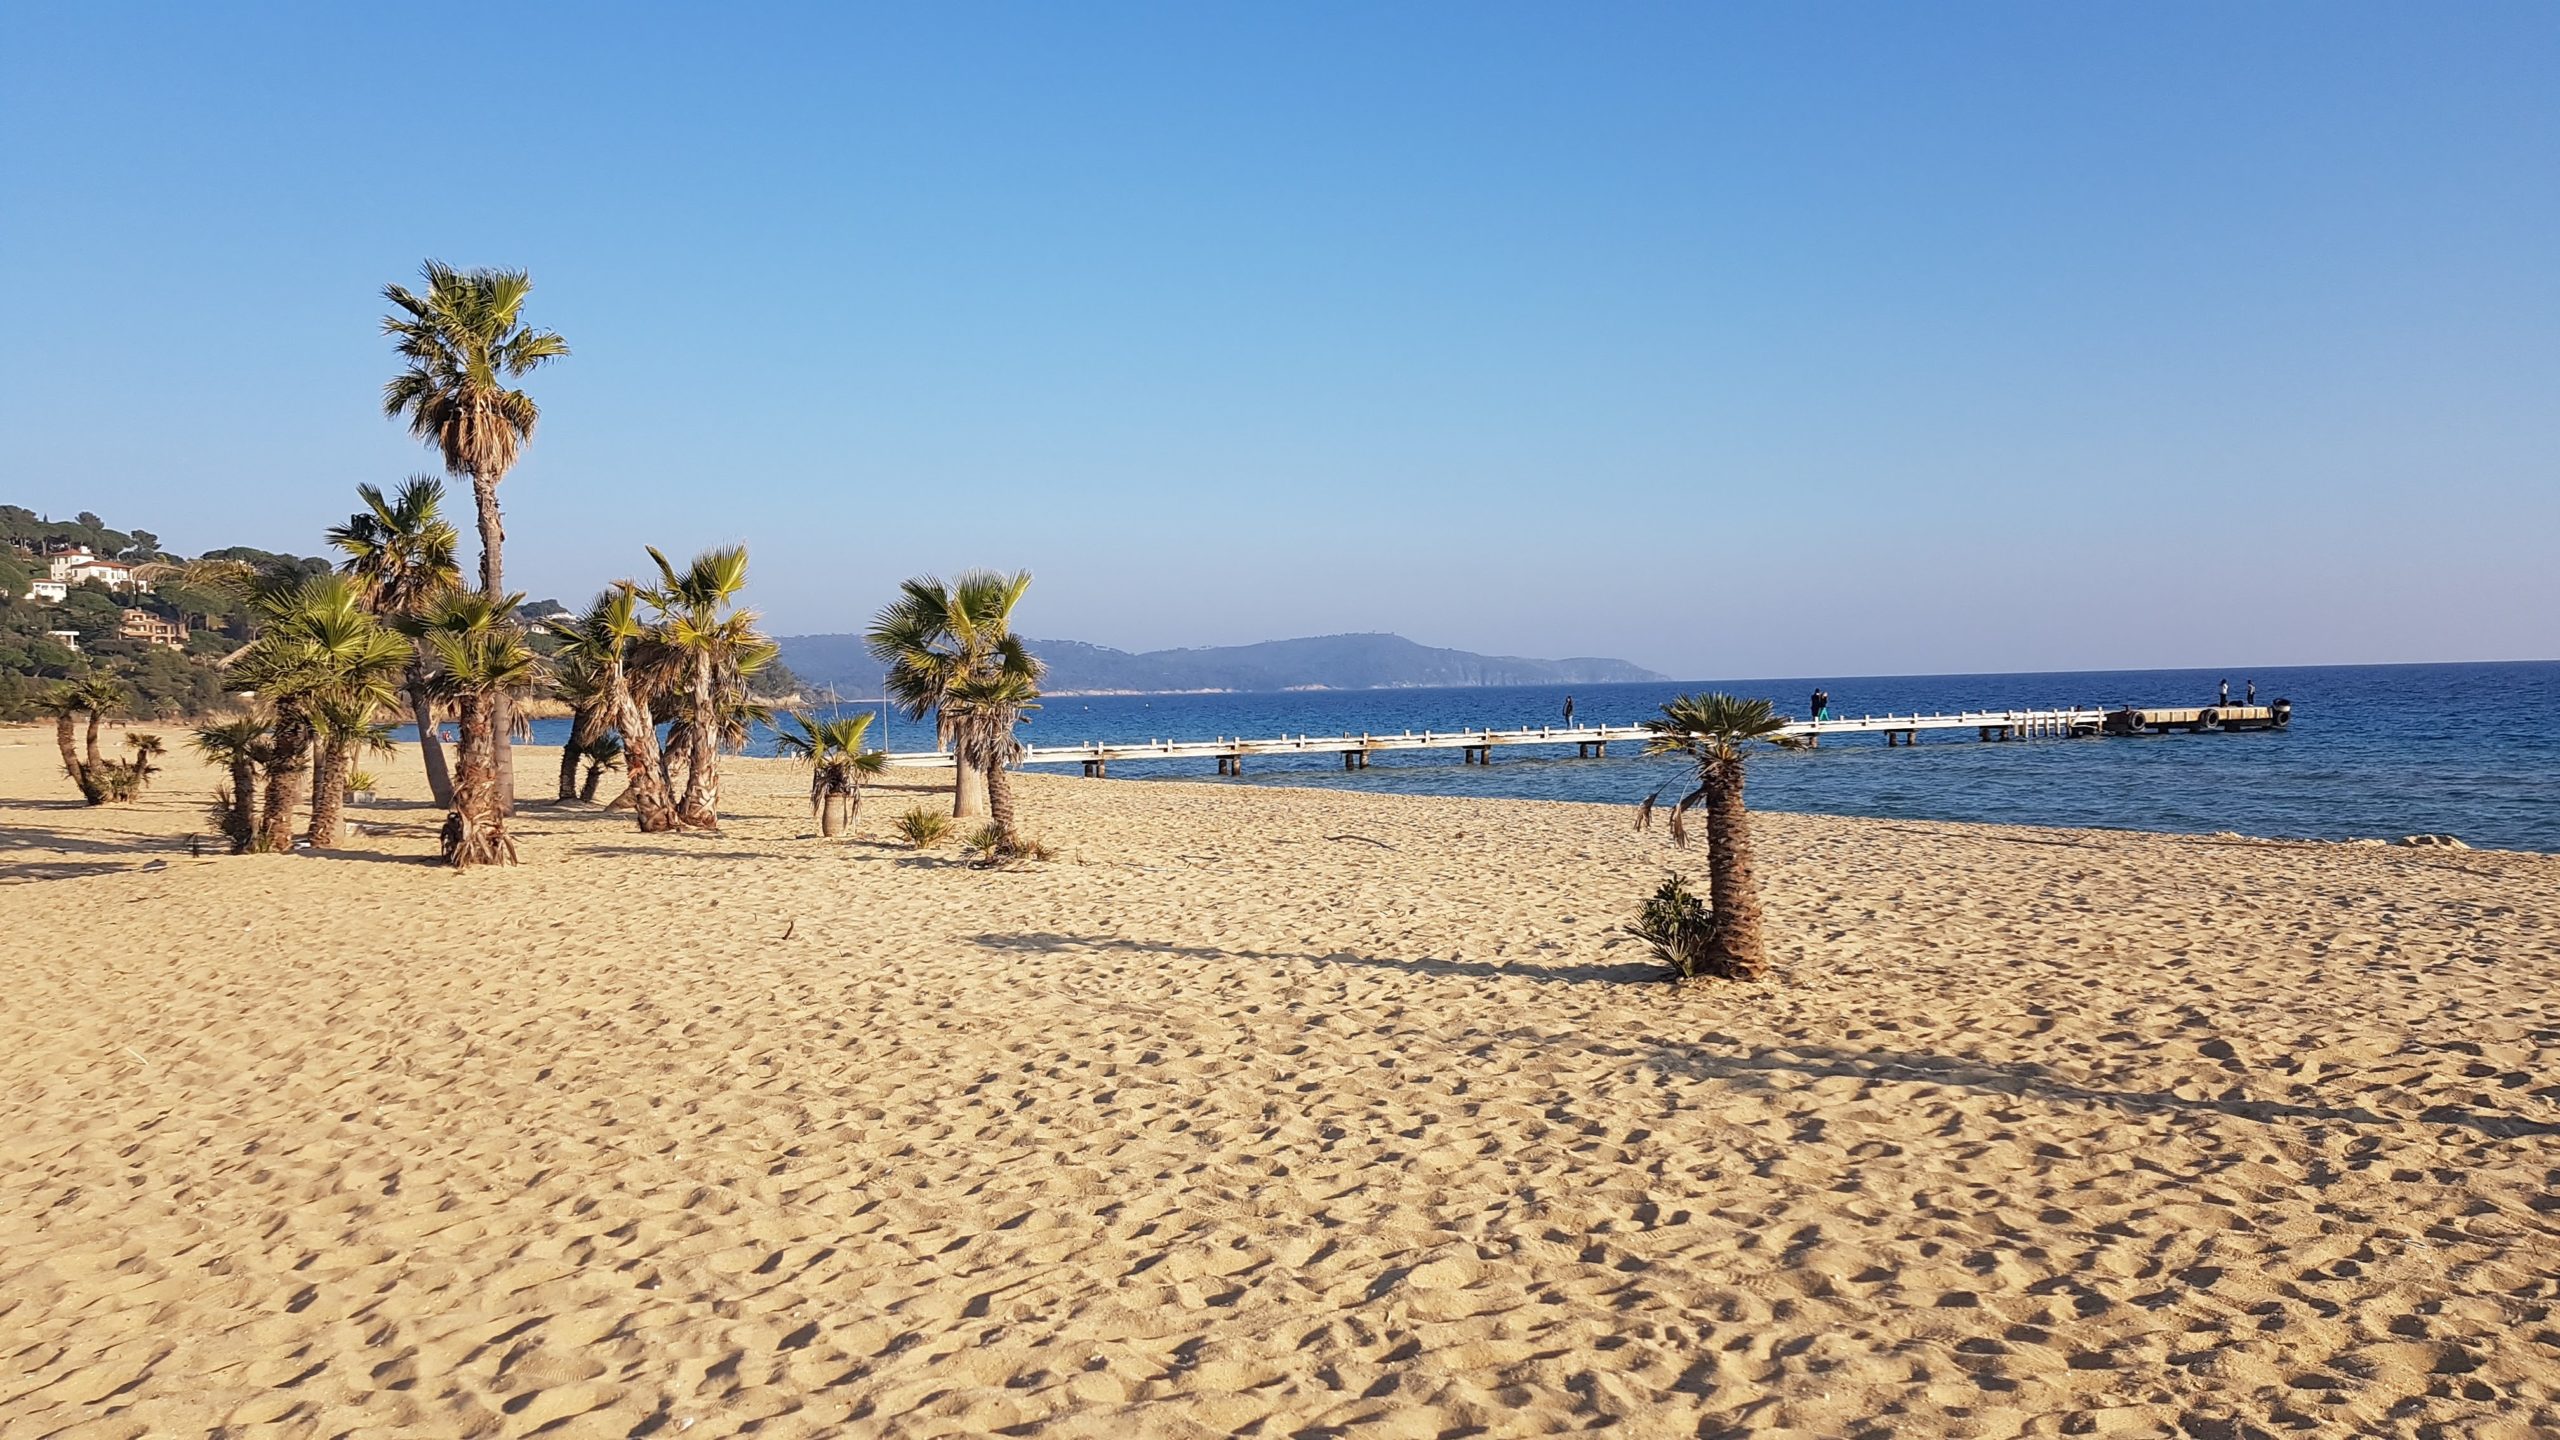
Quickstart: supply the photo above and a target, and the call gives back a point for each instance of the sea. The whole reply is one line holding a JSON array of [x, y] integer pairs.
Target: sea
[[2375, 751]]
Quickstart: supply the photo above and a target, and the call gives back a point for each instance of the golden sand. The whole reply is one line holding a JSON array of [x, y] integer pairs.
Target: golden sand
[[1218, 1125]]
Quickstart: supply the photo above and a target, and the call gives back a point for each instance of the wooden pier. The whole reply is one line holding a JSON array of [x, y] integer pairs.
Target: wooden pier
[[1476, 747]]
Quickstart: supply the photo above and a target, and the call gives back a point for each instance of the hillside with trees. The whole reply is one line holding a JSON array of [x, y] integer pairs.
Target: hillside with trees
[[89, 631]]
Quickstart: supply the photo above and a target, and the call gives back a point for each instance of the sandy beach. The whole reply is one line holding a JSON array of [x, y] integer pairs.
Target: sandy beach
[[1264, 1112]]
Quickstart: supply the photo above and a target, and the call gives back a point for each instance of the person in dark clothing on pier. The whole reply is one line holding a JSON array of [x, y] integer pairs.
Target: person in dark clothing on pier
[[1821, 704], [1568, 712], [2252, 697]]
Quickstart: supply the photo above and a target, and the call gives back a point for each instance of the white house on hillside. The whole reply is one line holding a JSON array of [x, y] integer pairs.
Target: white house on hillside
[[73, 566]]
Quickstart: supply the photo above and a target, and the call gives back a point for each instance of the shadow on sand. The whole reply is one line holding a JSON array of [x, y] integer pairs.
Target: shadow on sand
[[1476, 969], [1701, 1061]]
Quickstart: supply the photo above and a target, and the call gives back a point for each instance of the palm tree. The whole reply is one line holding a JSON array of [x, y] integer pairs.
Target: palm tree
[[404, 553], [578, 678], [347, 729], [602, 754], [463, 340], [477, 659], [837, 765], [629, 664], [317, 646], [65, 705], [1712, 730], [146, 748], [237, 745], [98, 695], [933, 636], [721, 650], [983, 708]]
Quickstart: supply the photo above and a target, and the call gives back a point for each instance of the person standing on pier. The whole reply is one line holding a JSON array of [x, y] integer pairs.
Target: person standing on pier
[[1821, 704], [1568, 712], [2226, 692], [2252, 695]]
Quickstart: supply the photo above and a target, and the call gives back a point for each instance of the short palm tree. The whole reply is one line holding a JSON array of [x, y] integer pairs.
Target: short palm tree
[[838, 764], [721, 648], [577, 680], [404, 553], [98, 778], [620, 645], [601, 754], [983, 709], [347, 728], [100, 695], [935, 635], [478, 658], [1712, 730], [146, 749], [318, 646], [463, 340], [65, 705], [238, 745]]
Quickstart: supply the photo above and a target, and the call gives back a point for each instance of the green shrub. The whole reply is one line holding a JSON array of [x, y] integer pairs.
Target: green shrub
[[923, 828], [989, 848], [1678, 926]]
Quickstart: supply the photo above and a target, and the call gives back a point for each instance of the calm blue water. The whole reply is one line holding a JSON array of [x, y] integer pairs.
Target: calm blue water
[[2375, 750]]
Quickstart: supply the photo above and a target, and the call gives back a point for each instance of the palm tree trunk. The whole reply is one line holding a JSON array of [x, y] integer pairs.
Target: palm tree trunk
[[493, 539], [430, 744], [650, 799], [241, 826], [831, 814], [329, 790], [595, 778], [64, 735], [968, 791], [292, 750], [1732, 890], [95, 717], [583, 732], [701, 808], [476, 832], [1000, 801]]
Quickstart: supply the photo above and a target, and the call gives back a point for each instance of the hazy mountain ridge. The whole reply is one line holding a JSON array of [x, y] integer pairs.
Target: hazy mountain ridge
[[1316, 662]]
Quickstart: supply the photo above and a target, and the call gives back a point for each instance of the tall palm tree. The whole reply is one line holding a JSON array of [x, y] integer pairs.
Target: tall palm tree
[[405, 553], [722, 648], [478, 658], [1712, 731], [935, 635], [838, 764], [984, 707], [463, 340], [317, 645], [237, 745]]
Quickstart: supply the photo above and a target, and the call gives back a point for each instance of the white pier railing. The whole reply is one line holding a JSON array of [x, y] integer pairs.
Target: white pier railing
[[1477, 746]]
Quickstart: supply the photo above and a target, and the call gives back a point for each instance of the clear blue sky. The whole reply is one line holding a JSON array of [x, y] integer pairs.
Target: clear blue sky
[[1805, 338]]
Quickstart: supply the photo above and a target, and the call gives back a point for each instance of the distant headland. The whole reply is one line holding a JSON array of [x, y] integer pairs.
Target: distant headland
[[1316, 662]]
